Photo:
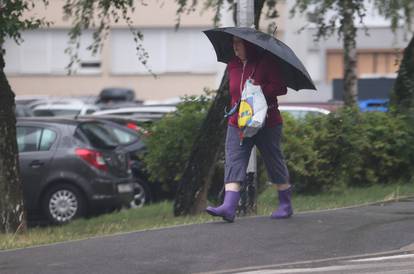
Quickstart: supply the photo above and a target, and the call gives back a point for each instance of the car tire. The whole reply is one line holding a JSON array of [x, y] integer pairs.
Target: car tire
[[142, 193], [62, 203]]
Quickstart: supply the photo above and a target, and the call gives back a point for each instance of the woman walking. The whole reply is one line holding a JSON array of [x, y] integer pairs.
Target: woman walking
[[250, 63]]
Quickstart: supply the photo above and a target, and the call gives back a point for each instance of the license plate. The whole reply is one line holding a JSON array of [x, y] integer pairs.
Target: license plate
[[124, 188]]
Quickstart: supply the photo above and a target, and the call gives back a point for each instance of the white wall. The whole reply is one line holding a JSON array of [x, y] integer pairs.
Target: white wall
[[43, 52], [184, 51]]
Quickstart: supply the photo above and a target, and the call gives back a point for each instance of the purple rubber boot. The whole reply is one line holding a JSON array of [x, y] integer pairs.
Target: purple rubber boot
[[228, 209], [285, 209]]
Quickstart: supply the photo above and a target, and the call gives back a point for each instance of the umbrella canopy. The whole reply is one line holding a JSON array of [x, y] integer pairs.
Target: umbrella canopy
[[295, 73]]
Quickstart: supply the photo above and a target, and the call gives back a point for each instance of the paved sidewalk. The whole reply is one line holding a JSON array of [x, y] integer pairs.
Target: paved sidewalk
[[249, 242]]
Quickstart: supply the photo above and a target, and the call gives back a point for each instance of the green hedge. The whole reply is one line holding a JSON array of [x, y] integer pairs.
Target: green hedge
[[344, 148], [171, 139], [348, 148]]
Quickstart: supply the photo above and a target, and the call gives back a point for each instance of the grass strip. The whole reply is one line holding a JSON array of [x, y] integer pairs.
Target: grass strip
[[160, 215]]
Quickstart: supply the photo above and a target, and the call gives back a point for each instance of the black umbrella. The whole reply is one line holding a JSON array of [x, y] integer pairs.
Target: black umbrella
[[295, 73]]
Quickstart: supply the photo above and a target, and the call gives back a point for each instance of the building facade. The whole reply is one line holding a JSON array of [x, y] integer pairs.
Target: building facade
[[184, 61], [379, 51]]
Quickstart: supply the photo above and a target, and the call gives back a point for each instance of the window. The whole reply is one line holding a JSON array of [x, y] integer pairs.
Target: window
[[56, 112], [123, 136], [47, 139], [369, 63], [170, 51], [34, 139], [90, 110], [98, 135], [43, 52]]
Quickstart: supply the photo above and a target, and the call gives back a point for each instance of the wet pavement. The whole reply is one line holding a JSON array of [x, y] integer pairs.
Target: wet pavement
[[250, 244]]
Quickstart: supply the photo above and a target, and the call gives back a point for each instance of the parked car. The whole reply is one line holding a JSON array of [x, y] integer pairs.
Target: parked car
[[300, 112], [23, 111], [373, 105], [29, 99], [141, 112], [70, 168], [116, 94], [63, 108], [131, 136], [138, 125], [116, 97]]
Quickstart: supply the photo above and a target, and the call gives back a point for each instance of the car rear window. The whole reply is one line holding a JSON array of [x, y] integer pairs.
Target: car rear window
[[101, 135], [124, 136]]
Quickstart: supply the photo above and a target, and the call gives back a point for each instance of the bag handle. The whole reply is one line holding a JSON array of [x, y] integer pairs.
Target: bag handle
[[236, 106]]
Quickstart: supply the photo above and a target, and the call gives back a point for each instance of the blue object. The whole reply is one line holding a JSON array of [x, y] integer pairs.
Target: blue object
[[374, 105]]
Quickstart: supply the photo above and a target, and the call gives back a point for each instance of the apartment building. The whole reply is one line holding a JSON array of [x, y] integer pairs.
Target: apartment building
[[184, 61], [378, 53]]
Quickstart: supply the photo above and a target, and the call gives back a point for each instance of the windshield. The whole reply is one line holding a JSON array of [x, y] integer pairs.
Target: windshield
[[56, 112]]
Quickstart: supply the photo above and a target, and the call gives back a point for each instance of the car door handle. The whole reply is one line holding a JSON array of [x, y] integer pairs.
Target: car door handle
[[36, 164]]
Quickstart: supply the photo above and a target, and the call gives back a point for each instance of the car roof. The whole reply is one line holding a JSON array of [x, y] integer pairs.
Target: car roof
[[138, 110], [303, 108], [70, 106], [126, 118], [53, 120]]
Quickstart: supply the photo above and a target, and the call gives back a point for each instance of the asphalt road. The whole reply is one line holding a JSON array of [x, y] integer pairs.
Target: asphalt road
[[248, 243]]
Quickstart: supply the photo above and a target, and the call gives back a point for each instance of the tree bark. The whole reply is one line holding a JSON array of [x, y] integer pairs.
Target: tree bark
[[12, 217], [402, 98], [191, 197], [350, 55], [258, 7]]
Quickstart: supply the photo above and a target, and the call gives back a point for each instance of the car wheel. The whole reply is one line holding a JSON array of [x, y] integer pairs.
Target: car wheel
[[142, 194], [63, 203]]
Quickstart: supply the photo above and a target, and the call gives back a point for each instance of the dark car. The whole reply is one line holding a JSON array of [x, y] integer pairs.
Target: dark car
[[138, 125], [70, 168], [131, 134], [116, 94], [114, 97]]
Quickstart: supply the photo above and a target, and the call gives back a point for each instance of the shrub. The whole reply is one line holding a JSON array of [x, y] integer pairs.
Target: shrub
[[348, 148], [345, 148], [171, 140]]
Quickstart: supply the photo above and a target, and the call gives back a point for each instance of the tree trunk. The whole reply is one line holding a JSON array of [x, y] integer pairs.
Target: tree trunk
[[402, 98], [192, 190], [258, 7], [350, 55], [11, 197], [245, 13]]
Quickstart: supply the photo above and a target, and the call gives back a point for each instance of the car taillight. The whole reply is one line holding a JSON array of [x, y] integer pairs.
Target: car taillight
[[129, 167], [92, 157], [137, 128], [133, 126]]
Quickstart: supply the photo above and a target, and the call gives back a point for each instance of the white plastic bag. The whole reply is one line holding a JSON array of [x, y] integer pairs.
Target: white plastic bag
[[252, 109]]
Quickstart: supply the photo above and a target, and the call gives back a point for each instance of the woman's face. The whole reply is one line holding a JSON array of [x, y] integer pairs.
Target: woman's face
[[239, 48]]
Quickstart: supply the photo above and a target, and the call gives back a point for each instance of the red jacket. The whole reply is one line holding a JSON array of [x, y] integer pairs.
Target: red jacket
[[267, 74]]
